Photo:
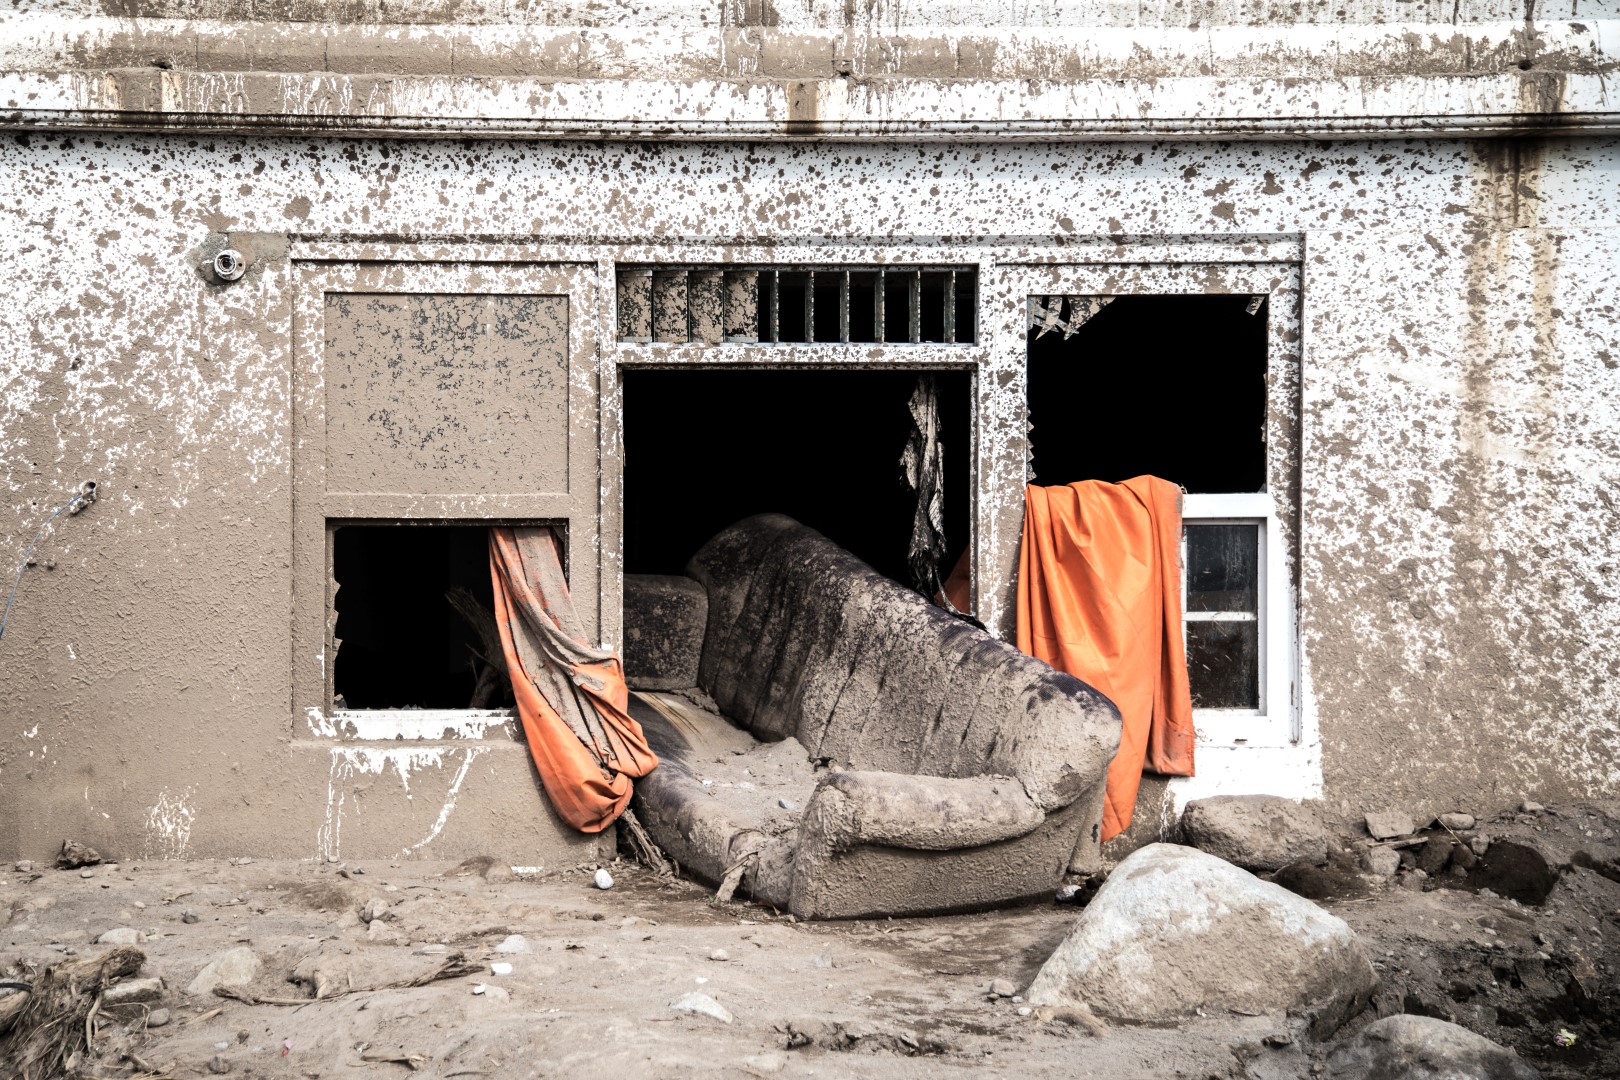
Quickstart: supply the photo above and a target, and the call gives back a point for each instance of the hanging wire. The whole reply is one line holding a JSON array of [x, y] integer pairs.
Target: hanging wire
[[84, 498]]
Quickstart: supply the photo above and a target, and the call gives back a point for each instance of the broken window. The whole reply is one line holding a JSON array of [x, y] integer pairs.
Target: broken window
[[414, 626], [798, 305], [1175, 387], [706, 448]]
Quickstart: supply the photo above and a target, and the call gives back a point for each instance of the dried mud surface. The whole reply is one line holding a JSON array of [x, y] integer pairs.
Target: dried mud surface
[[869, 998]]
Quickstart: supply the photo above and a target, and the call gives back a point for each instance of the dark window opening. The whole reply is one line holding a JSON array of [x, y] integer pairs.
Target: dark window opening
[[1168, 386], [402, 644], [705, 449]]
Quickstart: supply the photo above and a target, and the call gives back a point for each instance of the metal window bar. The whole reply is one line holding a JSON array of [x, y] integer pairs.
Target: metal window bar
[[718, 304]]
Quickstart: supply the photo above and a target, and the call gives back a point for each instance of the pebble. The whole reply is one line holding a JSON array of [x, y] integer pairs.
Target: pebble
[[1456, 822], [720, 955], [787, 804], [822, 960], [25, 866], [1003, 988], [157, 1018], [1389, 824], [1024, 1010], [492, 993], [602, 879], [703, 1005], [1530, 807], [87, 873], [218, 1065], [513, 943], [120, 935], [1383, 861], [1066, 894], [501, 969], [1480, 844], [188, 916]]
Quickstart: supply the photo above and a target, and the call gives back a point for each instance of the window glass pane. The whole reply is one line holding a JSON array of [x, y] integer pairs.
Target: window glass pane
[[1223, 664], [1222, 567]]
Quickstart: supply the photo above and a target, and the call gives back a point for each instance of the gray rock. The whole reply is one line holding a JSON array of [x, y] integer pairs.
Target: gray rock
[[1175, 930], [132, 991], [720, 955], [157, 1018], [1456, 822], [1530, 807], [25, 866], [218, 1065], [1389, 825], [703, 1005], [1403, 1047], [188, 916], [787, 804], [602, 879], [1256, 832], [1003, 988], [1480, 844], [233, 967], [1382, 861], [121, 935], [512, 943]]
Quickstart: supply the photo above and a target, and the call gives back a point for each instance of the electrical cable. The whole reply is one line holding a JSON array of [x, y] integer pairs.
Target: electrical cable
[[86, 497]]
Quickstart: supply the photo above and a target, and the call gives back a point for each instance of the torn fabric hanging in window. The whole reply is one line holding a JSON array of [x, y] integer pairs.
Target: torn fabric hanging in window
[[923, 465], [1066, 313]]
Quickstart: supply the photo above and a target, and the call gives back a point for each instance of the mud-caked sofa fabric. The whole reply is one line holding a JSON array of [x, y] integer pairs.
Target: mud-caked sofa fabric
[[964, 773]]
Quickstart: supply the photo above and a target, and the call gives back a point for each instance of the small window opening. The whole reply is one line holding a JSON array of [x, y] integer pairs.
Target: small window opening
[[1174, 387], [406, 597], [705, 449]]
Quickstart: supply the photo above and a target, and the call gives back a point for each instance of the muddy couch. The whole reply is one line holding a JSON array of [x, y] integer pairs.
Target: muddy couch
[[869, 754]]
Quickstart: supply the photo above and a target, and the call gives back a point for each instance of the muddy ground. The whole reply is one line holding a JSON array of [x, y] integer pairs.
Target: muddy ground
[[870, 998]]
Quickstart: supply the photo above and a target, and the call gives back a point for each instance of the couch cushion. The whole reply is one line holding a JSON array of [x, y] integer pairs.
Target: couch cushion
[[665, 616], [806, 640]]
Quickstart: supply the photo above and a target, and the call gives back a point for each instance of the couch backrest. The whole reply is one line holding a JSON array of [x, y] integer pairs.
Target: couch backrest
[[804, 639]]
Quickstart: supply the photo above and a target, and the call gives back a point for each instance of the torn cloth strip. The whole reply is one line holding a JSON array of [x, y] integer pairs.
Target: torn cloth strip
[[922, 463], [1099, 596], [571, 697]]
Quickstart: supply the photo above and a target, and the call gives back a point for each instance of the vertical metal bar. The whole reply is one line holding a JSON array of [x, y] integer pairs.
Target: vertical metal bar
[[915, 298], [950, 307], [810, 306], [843, 308], [880, 316], [776, 306]]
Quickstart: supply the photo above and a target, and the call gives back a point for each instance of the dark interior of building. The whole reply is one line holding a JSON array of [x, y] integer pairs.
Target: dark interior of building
[[402, 644], [1168, 386], [703, 449]]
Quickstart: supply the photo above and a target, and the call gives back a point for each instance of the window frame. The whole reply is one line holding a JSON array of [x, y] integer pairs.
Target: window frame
[[1275, 722]]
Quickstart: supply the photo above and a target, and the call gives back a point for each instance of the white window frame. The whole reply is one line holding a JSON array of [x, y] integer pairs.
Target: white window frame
[[1275, 722]]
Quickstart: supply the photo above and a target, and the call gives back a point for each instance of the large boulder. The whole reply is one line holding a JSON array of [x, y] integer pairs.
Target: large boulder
[[1174, 930], [1256, 832], [1406, 1047]]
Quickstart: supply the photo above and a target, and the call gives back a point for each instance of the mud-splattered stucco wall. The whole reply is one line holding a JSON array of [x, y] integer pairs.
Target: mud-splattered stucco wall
[[1459, 412]]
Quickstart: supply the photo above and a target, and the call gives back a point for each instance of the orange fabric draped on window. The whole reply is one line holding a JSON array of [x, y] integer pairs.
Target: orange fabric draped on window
[[1099, 596], [571, 697]]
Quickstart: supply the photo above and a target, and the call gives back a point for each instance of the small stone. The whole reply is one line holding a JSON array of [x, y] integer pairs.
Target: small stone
[[132, 991], [498, 873], [1067, 894], [1389, 825], [720, 955], [1530, 807], [1456, 822], [787, 804], [822, 960], [1382, 861], [1003, 988], [381, 933], [500, 969], [492, 993], [1480, 844], [74, 855], [1024, 1010], [512, 943], [1256, 832], [190, 917], [233, 967], [703, 1005], [218, 1065], [25, 866], [1414, 879], [121, 935], [157, 1018], [373, 910], [602, 879], [765, 1064], [139, 906], [87, 873]]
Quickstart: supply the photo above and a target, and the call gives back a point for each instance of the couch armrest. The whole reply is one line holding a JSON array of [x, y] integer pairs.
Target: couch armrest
[[928, 813]]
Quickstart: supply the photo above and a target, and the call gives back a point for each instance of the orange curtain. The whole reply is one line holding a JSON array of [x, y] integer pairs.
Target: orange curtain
[[1099, 596], [571, 697]]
